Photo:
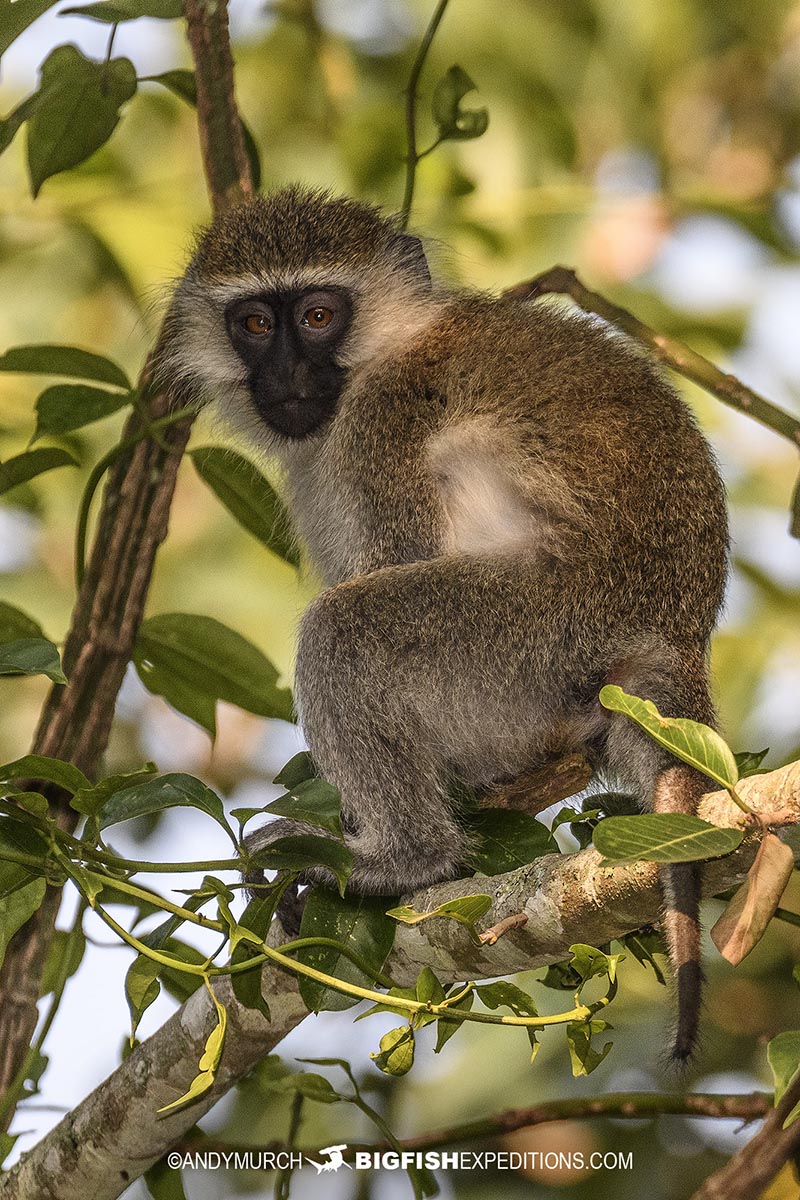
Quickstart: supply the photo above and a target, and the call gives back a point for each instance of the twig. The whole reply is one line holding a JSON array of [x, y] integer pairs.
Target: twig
[[490, 936], [539, 789], [413, 156], [624, 1105], [631, 1105], [672, 352], [747, 1174]]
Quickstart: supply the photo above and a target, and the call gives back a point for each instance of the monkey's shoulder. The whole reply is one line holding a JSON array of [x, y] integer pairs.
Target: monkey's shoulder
[[477, 344]]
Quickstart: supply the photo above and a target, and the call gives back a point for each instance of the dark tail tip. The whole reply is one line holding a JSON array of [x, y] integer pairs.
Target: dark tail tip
[[689, 982]]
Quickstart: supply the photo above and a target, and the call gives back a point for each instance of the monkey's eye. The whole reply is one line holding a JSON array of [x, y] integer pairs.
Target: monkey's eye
[[257, 323], [317, 317]]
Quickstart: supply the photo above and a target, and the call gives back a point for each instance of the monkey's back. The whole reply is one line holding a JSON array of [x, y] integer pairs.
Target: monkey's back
[[609, 450]]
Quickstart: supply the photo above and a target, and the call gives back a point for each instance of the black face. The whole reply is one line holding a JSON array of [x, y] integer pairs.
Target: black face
[[288, 341]]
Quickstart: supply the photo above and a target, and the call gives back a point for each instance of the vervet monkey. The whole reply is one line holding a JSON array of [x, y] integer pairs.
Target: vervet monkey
[[508, 506]]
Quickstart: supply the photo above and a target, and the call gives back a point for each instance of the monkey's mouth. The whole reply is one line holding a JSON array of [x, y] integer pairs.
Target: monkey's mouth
[[294, 417]]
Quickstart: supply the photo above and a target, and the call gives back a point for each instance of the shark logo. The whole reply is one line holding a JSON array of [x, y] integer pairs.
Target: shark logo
[[335, 1159]]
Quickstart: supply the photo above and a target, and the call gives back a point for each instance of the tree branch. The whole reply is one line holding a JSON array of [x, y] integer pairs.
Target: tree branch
[[533, 793], [634, 1106], [673, 353], [748, 1173], [115, 1134], [76, 720], [225, 162]]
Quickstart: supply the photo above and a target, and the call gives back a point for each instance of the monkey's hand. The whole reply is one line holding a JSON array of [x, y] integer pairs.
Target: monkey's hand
[[380, 867], [292, 902], [274, 832]]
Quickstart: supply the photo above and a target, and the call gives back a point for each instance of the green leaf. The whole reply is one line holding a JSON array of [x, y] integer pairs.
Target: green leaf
[[312, 1086], [31, 802], [465, 909], [783, 1056], [68, 361], [7, 1144], [12, 875], [507, 995], [588, 961], [91, 798], [561, 977], [445, 1028], [90, 882], [164, 1182], [19, 837], [17, 16], [31, 656], [315, 802], [181, 984], [696, 744], [64, 957], [749, 762], [207, 1067], [582, 1054], [168, 791], [428, 991], [68, 406], [663, 837], [456, 123], [180, 82], [257, 917], [141, 989], [193, 661], [53, 770], [406, 993], [77, 110], [11, 125], [297, 770], [358, 922], [507, 840], [16, 625], [126, 10], [300, 851], [16, 908], [31, 463], [248, 497], [396, 1056], [644, 945]]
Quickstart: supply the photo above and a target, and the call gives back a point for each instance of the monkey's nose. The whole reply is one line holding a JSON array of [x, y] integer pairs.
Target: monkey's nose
[[301, 382]]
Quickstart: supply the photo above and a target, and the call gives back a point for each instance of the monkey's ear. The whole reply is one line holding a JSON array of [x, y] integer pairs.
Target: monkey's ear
[[412, 256]]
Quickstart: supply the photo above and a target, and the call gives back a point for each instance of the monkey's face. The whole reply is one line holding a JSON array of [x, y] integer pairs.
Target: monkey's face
[[289, 342]]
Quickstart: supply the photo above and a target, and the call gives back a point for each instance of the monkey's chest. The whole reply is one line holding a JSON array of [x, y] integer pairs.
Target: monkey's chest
[[368, 511]]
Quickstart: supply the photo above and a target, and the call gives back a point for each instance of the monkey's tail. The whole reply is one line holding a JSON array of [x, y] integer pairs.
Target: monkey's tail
[[680, 883], [677, 790]]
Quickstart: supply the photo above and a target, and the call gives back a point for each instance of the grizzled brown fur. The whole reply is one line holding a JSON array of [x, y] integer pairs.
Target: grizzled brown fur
[[509, 508]]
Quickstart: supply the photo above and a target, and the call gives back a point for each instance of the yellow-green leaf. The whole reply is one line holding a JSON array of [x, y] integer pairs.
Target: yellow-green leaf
[[207, 1067], [465, 909], [698, 745], [396, 1056]]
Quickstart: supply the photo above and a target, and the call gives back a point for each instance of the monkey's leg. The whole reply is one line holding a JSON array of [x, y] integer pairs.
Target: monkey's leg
[[406, 673], [677, 683]]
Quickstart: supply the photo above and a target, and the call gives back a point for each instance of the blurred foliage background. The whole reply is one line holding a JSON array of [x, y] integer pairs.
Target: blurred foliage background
[[652, 144]]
